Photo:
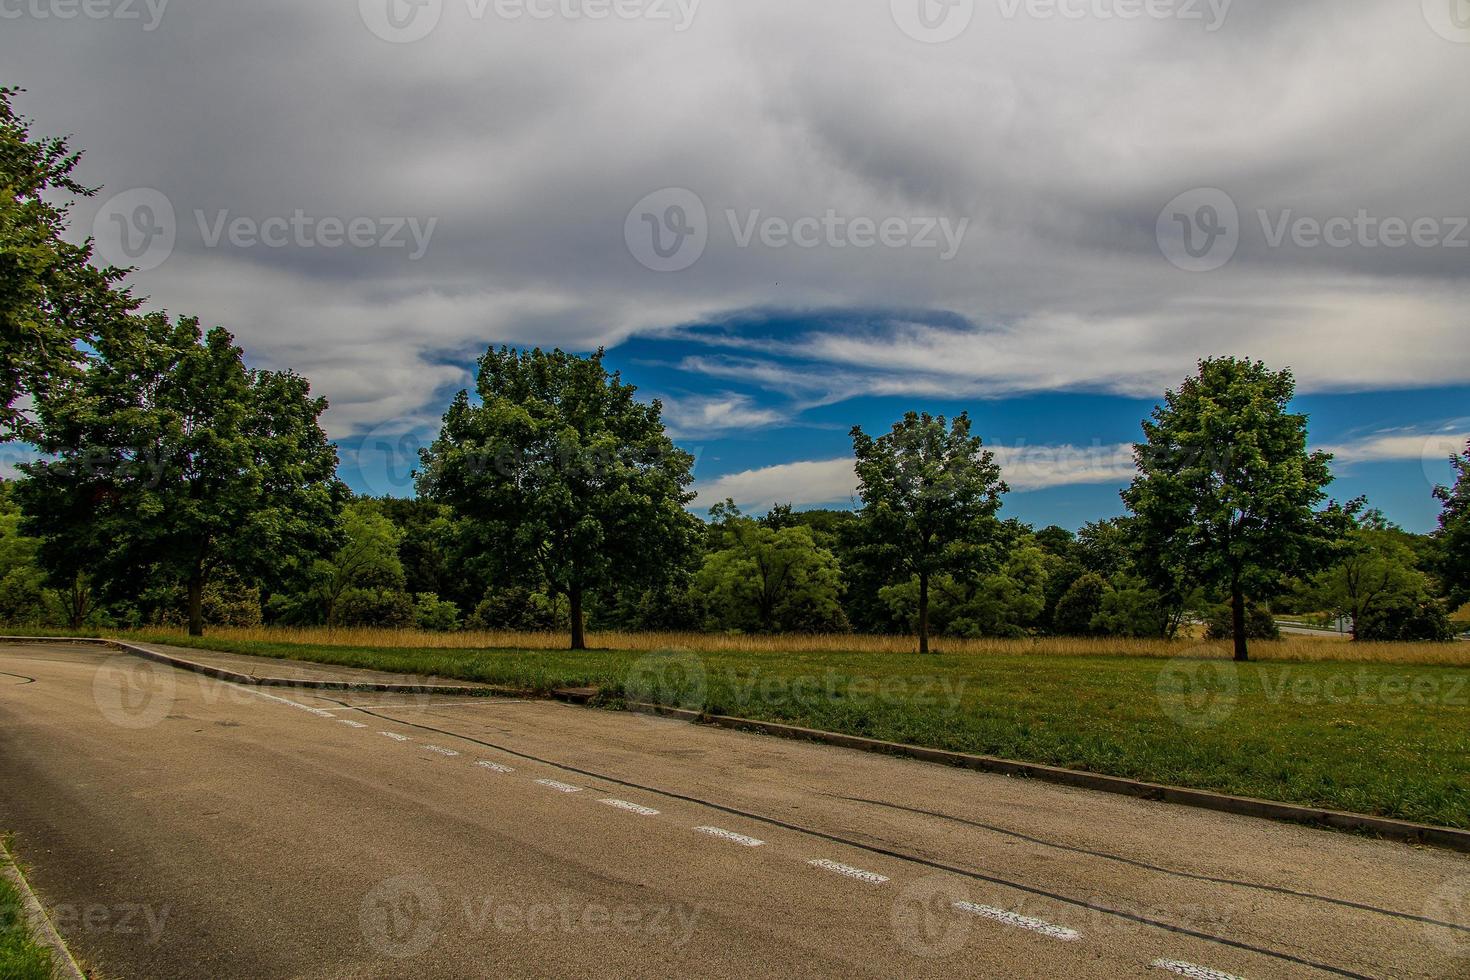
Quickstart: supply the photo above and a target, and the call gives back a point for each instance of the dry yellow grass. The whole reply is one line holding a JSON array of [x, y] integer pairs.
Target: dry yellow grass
[[1295, 648]]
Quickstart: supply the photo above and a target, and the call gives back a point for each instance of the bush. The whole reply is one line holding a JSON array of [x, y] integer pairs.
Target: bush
[[1259, 623], [518, 608], [376, 607], [435, 614], [1080, 605], [1408, 619]]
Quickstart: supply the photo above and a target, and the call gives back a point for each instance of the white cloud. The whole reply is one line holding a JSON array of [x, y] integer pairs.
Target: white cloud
[[832, 481], [1400, 444], [705, 415]]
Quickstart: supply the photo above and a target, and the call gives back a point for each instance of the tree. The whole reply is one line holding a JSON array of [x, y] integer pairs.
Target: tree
[[1375, 570], [770, 580], [1080, 605], [930, 492], [1453, 535], [1226, 491], [51, 297], [368, 558], [169, 458], [560, 470]]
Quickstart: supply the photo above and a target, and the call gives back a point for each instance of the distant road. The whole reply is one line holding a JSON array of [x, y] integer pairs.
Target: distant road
[[185, 827]]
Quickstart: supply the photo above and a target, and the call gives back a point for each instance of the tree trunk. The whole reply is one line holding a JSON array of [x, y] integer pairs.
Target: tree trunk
[[923, 612], [1237, 621], [196, 604], [579, 637]]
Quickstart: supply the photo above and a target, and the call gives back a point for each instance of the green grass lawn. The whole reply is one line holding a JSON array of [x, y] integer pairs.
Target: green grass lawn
[[20, 957], [1391, 739]]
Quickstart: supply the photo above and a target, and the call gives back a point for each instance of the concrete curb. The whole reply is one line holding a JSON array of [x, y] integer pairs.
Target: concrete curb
[[221, 674], [62, 962], [1386, 827], [1400, 830]]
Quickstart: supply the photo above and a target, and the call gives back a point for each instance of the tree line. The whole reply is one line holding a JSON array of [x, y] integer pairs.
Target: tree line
[[177, 484]]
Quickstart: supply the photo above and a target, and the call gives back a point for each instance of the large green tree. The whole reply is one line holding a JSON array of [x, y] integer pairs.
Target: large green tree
[[770, 579], [559, 470], [1452, 539], [368, 558], [51, 297], [930, 491], [169, 458], [1226, 491]]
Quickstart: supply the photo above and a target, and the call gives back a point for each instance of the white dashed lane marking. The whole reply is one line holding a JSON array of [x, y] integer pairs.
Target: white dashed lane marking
[[494, 766], [350, 722], [396, 737], [849, 871], [319, 712], [560, 787], [440, 750], [730, 836], [1019, 921], [642, 811], [1191, 970]]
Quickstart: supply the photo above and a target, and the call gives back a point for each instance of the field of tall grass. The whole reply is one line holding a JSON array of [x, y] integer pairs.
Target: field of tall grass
[[1297, 649]]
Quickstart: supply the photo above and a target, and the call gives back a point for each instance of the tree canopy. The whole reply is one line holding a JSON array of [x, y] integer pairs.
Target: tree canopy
[[170, 456], [930, 492], [1226, 492], [560, 469]]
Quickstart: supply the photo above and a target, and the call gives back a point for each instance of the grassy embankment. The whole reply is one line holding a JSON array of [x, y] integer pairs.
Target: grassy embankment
[[1373, 728], [21, 957]]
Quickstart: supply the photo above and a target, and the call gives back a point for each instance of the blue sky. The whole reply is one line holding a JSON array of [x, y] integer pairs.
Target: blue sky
[[767, 425]]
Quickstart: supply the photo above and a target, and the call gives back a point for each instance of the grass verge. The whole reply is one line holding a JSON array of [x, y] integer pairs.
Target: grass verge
[[1390, 739], [21, 957]]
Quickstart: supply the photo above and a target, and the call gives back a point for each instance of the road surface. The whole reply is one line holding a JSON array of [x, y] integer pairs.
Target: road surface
[[179, 826]]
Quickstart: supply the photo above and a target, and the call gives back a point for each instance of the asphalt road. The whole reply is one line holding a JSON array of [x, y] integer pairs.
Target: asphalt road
[[184, 827]]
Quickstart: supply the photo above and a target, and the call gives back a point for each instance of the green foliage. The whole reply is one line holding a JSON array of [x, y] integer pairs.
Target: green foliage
[[770, 580], [377, 606], [171, 459], [21, 956], [517, 607], [1259, 623], [1226, 492], [51, 296], [1006, 602], [435, 614], [930, 492], [561, 473], [1080, 605], [1406, 617], [1131, 608], [1452, 539], [368, 558], [1374, 579]]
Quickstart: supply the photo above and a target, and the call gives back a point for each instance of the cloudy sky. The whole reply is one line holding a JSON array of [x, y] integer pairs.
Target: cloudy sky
[[786, 217]]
